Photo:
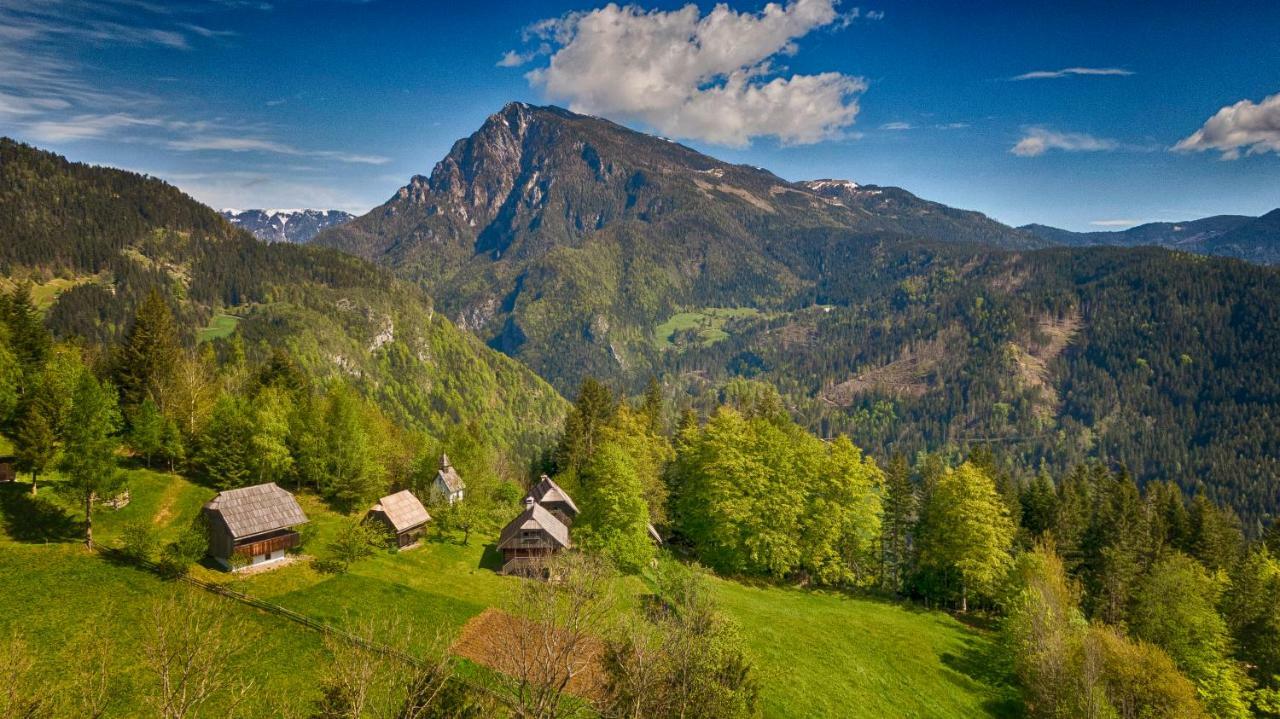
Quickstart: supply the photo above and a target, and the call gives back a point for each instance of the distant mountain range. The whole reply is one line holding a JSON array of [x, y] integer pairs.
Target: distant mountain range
[[1256, 239], [296, 226], [583, 248]]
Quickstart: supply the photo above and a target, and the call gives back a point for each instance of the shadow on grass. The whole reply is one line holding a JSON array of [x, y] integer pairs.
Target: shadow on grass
[[35, 519], [985, 663], [491, 558]]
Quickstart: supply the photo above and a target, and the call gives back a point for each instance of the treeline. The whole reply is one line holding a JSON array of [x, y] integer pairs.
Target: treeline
[[1170, 372], [1117, 601]]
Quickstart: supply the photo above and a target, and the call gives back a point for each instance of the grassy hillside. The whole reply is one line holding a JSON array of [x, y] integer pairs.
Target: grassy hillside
[[819, 655]]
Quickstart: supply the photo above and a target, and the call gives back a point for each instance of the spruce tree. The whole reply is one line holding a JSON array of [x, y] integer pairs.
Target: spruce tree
[[899, 518], [89, 459], [148, 357], [36, 443], [29, 340]]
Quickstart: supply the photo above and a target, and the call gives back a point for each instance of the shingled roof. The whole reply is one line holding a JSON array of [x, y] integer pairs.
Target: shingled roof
[[546, 490], [254, 510], [534, 517], [403, 510], [449, 475]]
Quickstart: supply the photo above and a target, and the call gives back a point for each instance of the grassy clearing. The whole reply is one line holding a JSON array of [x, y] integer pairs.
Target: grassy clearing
[[43, 295], [707, 323], [820, 654], [832, 655], [222, 325]]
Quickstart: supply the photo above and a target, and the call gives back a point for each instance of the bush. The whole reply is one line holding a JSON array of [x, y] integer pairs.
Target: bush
[[177, 556], [140, 541], [329, 566]]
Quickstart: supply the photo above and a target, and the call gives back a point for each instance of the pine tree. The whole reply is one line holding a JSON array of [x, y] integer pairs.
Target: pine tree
[[591, 412], [899, 518], [225, 455], [146, 430], [652, 406], [147, 359], [89, 459], [28, 337], [37, 445]]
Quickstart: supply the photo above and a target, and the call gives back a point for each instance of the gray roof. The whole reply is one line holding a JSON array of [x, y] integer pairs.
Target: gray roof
[[254, 510], [449, 476], [535, 516], [403, 510], [547, 490]]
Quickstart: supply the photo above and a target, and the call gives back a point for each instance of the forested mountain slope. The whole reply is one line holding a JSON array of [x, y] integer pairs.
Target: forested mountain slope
[[583, 248], [558, 237], [1256, 239], [109, 236]]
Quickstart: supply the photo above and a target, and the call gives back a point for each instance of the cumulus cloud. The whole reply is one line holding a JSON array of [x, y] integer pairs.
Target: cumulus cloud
[[1070, 71], [1248, 126], [710, 77], [1038, 140]]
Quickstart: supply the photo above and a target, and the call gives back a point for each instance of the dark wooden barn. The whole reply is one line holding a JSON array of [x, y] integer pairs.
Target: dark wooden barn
[[530, 539], [403, 515], [255, 525]]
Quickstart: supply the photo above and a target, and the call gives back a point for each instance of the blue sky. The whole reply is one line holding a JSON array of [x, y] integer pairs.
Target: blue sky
[[1128, 112]]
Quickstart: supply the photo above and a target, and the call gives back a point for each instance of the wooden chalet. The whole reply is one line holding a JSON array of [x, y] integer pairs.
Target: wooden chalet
[[448, 486], [8, 471], [403, 515], [529, 540], [254, 524], [549, 494]]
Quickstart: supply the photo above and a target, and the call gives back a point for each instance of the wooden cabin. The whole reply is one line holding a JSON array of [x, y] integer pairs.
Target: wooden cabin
[[255, 525], [549, 494], [8, 471], [403, 515], [530, 539], [448, 486]]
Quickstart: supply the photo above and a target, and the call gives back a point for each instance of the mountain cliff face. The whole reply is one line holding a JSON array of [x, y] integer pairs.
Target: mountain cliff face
[[1255, 239], [561, 238], [296, 226]]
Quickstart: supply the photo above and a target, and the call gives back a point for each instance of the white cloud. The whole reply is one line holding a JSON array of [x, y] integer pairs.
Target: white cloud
[[1115, 223], [897, 126], [218, 143], [710, 77], [1070, 71], [511, 58], [1255, 126], [1038, 140]]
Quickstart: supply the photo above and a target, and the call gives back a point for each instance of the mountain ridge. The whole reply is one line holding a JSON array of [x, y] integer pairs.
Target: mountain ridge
[[298, 226], [1254, 239]]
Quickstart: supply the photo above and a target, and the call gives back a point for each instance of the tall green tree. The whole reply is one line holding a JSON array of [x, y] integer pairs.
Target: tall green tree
[[1176, 608], [148, 357], [225, 454], [1215, 537], [592, 411], [899, 519], [968, 533], [614, 519], [89, 459], [29, 339], [146, 430], [354, 472], [36, 445]]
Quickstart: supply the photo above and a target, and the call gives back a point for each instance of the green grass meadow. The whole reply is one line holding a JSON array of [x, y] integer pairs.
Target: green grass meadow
[[819, 654], [221, 325]]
